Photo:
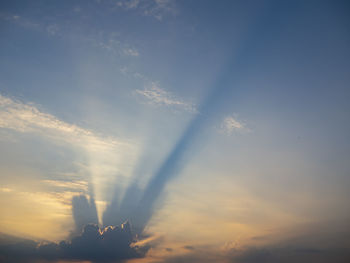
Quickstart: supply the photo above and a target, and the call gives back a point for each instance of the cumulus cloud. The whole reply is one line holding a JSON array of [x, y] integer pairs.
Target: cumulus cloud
[[110, 244], [155, 95]]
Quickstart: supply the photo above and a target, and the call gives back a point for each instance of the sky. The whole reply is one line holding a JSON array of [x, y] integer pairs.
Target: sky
[[174, 131]]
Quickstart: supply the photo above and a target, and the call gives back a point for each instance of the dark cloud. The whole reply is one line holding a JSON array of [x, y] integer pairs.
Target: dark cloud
[[114, 243], [111, 244], [189, 247], [21, 251], [84, 212]]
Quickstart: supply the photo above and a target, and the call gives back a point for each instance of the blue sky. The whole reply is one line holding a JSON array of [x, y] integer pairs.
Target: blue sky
[[233, 112]]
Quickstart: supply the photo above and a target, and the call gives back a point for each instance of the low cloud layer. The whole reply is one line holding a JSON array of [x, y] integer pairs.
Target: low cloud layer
[[111, 244], [322, 243], [277, 253]]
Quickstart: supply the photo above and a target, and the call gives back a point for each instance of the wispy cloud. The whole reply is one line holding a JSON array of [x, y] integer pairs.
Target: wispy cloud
[[153, 8], [104, 156], [131, 52], [77, 185], [231, 124], [53, 29], [160, 97], [19, 20], [26, 117], [129, 4], [96, 37]]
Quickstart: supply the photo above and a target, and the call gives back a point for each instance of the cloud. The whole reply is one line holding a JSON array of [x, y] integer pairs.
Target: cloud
[[110, 244], [153, 8], [27, 118], [104, 156], [77, 185], [129, 4], [325, 242], [24, 117], [53, 29], [160, 97], [109, 41], [289, 255], [5, 189], [275, 254], [21, 21], [161, 8], [84, 212], [112, 43], [113, 243], [189, 247], [131, 52], [230, 125], [202, 255]]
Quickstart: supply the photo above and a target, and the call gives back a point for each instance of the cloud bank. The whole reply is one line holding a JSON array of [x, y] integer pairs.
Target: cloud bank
[[110, 244]]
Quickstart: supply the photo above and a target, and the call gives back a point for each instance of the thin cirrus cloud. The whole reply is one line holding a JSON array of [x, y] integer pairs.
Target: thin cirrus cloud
[[25, 117], [155, 95], [131, 52], [157, 9], [110, 42], [103, 155]]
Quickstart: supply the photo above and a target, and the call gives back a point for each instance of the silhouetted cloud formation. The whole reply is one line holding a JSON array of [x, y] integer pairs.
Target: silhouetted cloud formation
[[111, 244], [84, 212]]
